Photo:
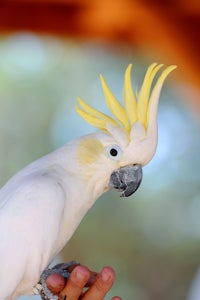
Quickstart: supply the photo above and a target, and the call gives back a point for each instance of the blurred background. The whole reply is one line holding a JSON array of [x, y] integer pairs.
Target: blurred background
[[52, 51]]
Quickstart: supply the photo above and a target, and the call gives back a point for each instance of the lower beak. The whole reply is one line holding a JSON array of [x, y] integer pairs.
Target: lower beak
[[126, 179]]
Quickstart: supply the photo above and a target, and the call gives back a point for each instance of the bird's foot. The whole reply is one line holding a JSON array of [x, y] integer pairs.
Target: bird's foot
[[62, 269]]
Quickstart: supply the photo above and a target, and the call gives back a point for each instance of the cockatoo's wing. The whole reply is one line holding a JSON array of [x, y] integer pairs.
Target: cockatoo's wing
[[30, 220]]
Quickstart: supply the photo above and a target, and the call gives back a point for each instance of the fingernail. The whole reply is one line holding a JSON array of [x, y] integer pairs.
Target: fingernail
[[105, 275], [80, 274]]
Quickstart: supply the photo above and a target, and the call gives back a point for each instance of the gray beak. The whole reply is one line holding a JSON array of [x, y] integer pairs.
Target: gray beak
[[126, 179]]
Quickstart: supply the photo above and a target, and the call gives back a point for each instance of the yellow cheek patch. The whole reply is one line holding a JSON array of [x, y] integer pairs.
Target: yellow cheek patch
[[89, 150]]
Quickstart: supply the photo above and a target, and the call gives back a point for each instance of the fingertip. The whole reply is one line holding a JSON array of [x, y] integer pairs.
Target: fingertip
[[81, 273], [110, 270], [55, 282], [107, 274]]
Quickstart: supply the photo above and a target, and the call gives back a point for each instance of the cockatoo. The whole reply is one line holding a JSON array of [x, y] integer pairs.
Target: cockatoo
[[42, 205]]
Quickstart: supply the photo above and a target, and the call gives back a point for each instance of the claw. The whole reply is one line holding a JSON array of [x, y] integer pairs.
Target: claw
[[64, 269]]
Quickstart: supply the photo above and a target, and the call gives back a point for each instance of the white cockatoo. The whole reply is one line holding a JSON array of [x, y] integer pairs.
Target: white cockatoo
[[42, 205]]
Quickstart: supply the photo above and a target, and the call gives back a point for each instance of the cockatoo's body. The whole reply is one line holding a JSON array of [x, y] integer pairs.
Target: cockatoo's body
[[42, 205]]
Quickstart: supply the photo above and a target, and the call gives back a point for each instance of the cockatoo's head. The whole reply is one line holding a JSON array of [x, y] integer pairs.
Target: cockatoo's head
[[127, 141]]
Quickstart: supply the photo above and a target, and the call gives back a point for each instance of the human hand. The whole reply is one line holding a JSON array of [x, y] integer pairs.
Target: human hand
[[98, 284]]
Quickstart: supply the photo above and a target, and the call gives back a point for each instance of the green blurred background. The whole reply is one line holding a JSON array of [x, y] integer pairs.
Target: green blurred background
[[151, 239]]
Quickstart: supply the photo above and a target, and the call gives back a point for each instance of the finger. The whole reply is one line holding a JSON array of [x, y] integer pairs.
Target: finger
[[75, 284], [101, 286], [116, 298], [55, 282]]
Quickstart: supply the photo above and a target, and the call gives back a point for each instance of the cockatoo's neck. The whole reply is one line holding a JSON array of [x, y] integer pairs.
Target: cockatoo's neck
[[81, 191], [79, 159]]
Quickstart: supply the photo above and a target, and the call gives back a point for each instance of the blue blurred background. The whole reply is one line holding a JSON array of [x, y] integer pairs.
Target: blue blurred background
[[151, 239]]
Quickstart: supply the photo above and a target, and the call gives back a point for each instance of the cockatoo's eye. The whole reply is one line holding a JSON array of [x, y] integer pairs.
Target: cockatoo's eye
[[114, 152]]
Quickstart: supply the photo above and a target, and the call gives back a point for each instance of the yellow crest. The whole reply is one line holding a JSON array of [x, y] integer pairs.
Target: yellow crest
[[136, 105]]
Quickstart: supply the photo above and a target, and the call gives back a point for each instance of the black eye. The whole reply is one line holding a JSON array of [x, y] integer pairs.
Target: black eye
[[113, 152]]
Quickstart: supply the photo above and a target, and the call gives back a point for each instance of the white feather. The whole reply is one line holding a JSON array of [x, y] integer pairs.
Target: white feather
[[40, 207]]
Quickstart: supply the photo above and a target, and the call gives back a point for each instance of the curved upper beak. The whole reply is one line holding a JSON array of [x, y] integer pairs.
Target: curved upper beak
[[126, 179]]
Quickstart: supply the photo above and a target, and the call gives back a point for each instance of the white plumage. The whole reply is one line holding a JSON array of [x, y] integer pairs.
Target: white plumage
[[40, 207]]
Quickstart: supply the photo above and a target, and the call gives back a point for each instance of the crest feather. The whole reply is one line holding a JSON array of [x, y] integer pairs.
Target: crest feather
[[99, 123], [138, 107], [129, 97], [157, 88], [115, 107], [143, 95], [94, 115]]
